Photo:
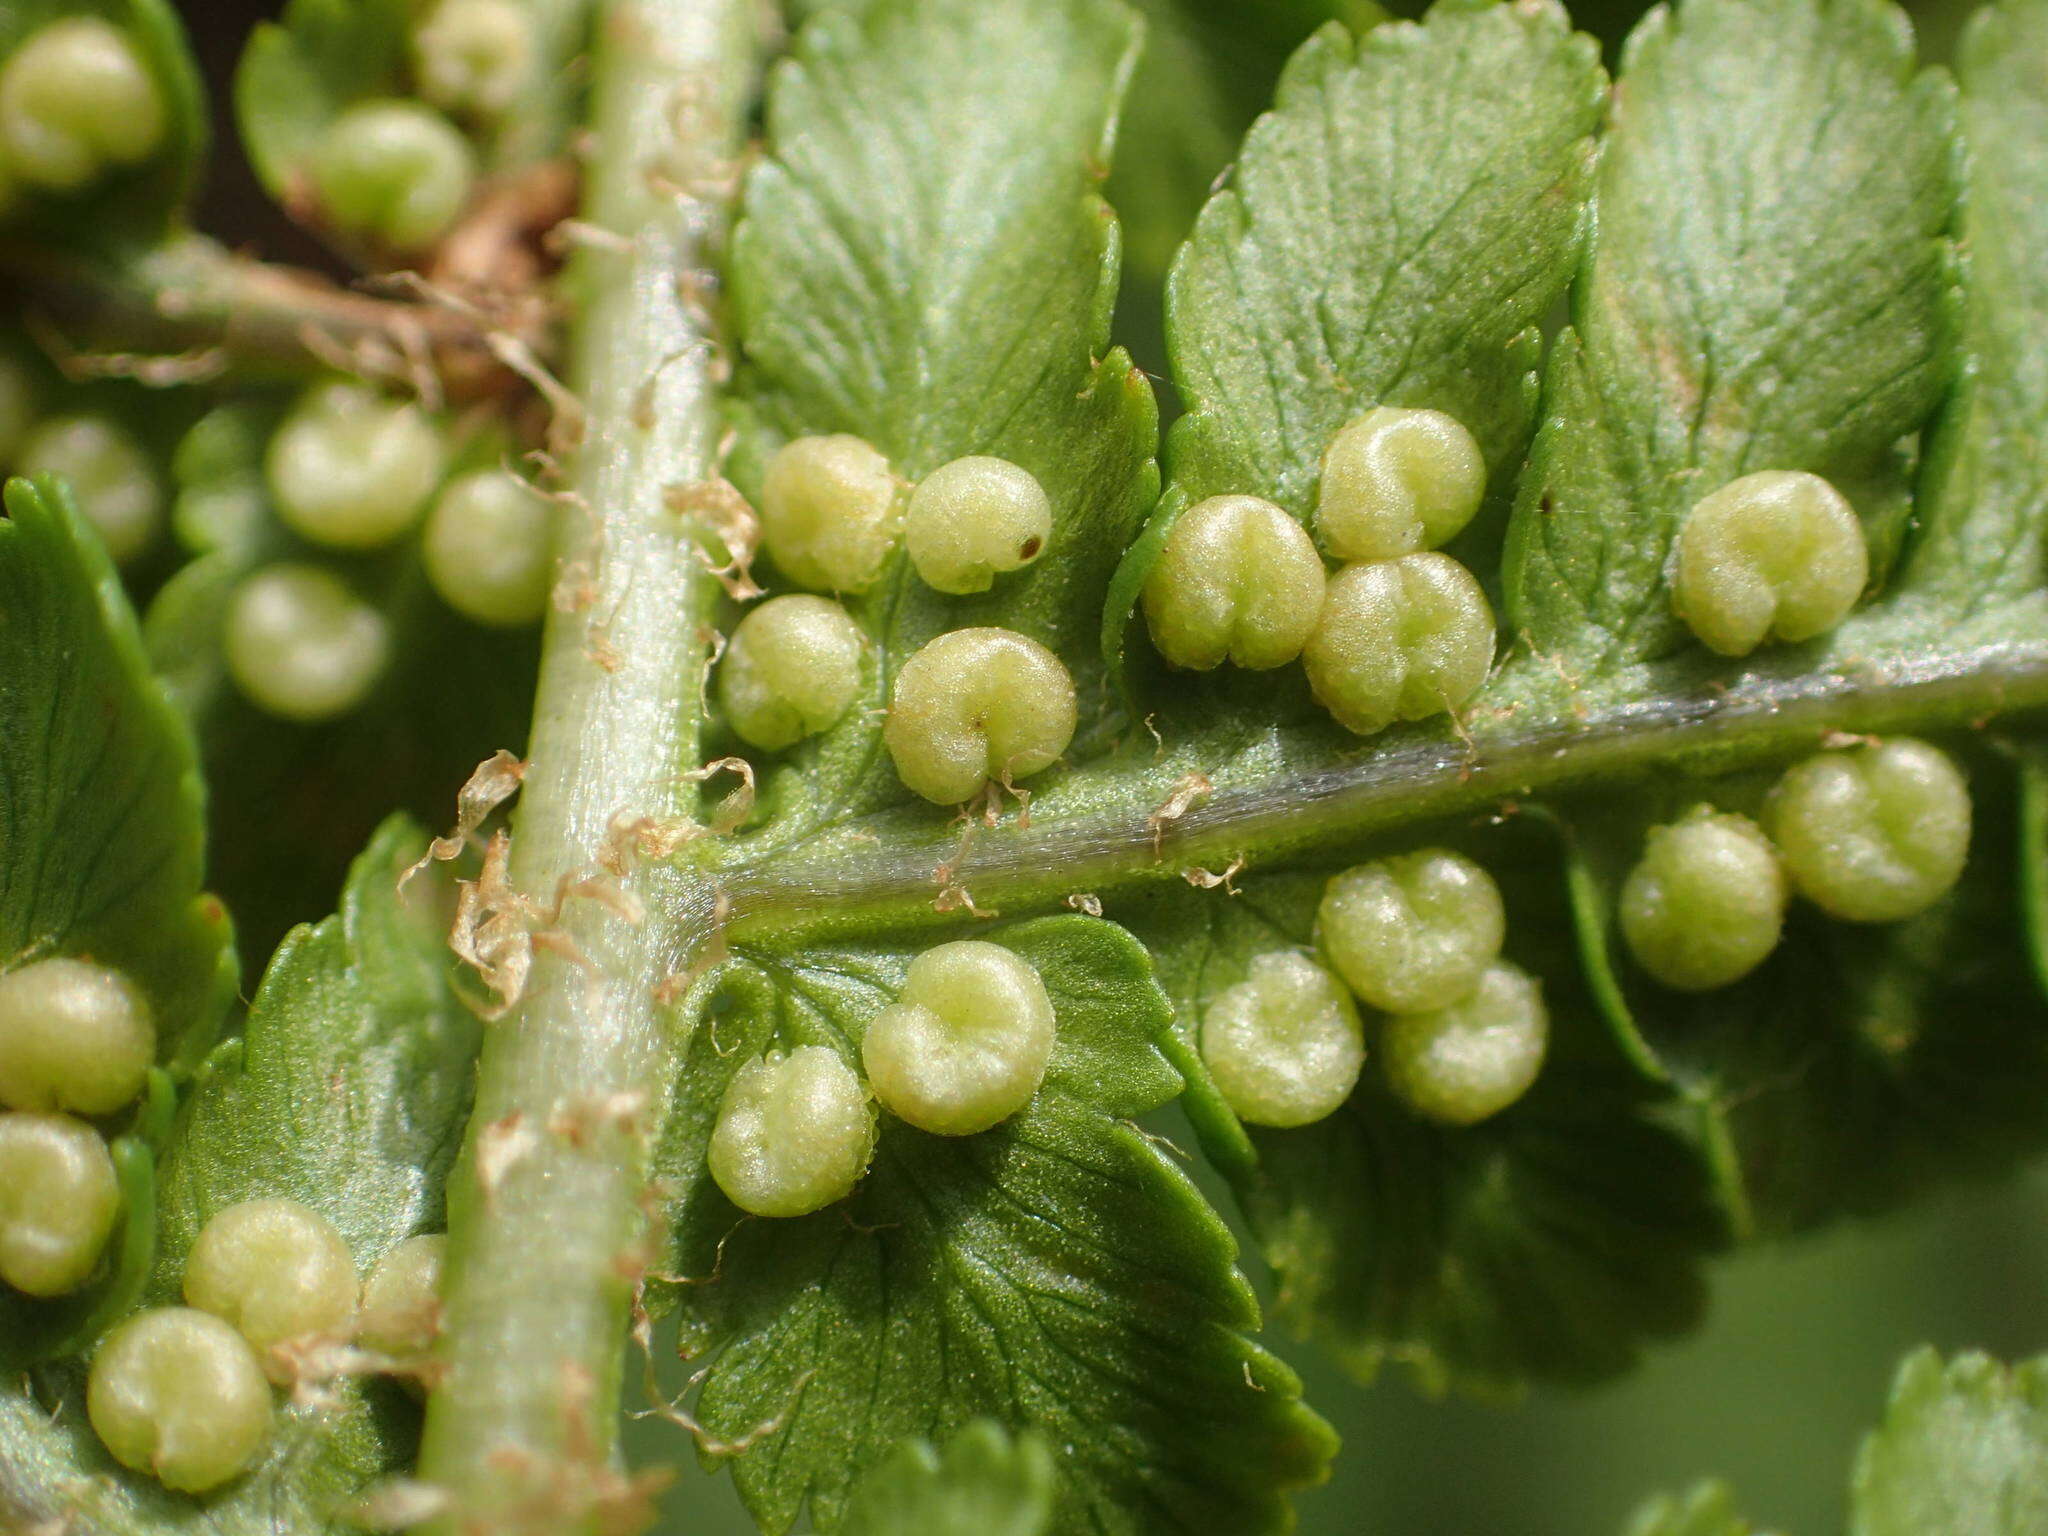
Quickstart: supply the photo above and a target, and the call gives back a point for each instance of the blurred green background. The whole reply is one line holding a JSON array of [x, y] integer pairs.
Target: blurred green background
[[1793, 1365]]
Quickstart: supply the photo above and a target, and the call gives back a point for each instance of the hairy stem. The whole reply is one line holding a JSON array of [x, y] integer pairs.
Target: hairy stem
[[546, 1211], [1117, 843]]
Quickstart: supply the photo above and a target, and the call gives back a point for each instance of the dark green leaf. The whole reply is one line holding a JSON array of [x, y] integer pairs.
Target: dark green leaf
[[347, 1091], [1859, 1060], [1549, 1242], [349, 1084], [101, 835], [1864, 1060], [984, 1483], [1057, 1273], [1976, 563]]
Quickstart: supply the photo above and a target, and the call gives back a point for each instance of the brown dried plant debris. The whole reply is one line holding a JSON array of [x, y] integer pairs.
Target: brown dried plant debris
[[1208, 880], [494, 781], [715, 505], [1188, 791]]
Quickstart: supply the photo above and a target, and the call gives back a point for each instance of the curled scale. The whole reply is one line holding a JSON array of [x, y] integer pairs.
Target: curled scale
[[59, 1197], [1873, 833], [1778, 555], [792, 669], [1471, 1059], [74, 1036], [831, 512], [277, 1270], [178, 1394], [794, 1133], [1705, 904], [975, 519], [1397, 482]]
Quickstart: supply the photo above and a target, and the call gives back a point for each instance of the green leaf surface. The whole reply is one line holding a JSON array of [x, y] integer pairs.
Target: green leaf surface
[[1860, 1060], [940, 305], [1207, 69], [348, 1086], [1057, 1273], [1395, 230], [1962, 1451], [1708, 1509], [982, 1483], [101, 806], [1975, 565], [135, 204], [347, 1091], [1770, 288]]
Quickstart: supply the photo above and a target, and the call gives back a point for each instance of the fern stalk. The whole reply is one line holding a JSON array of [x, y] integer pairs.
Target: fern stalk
[[546, 1211]]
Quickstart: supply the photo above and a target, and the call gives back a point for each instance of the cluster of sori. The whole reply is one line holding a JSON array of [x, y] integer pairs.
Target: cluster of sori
[[962, 1048], [184, 1393], [350, 470], [1401, 632], [77, 101], [180, 1392], [1416, 937], [970, 706], [353, 470], [76, 1044], [114, 478], [1871, 833], [394, 173], [1874, 832]]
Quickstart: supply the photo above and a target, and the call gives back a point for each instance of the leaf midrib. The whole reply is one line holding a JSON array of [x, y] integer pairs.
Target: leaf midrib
[[1115, 847]]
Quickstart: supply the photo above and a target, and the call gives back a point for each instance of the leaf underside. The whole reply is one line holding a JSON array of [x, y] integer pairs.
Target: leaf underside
[[346, 1090], [1058, 1273], [100, 846], [1761, 272], [1780, 267]]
